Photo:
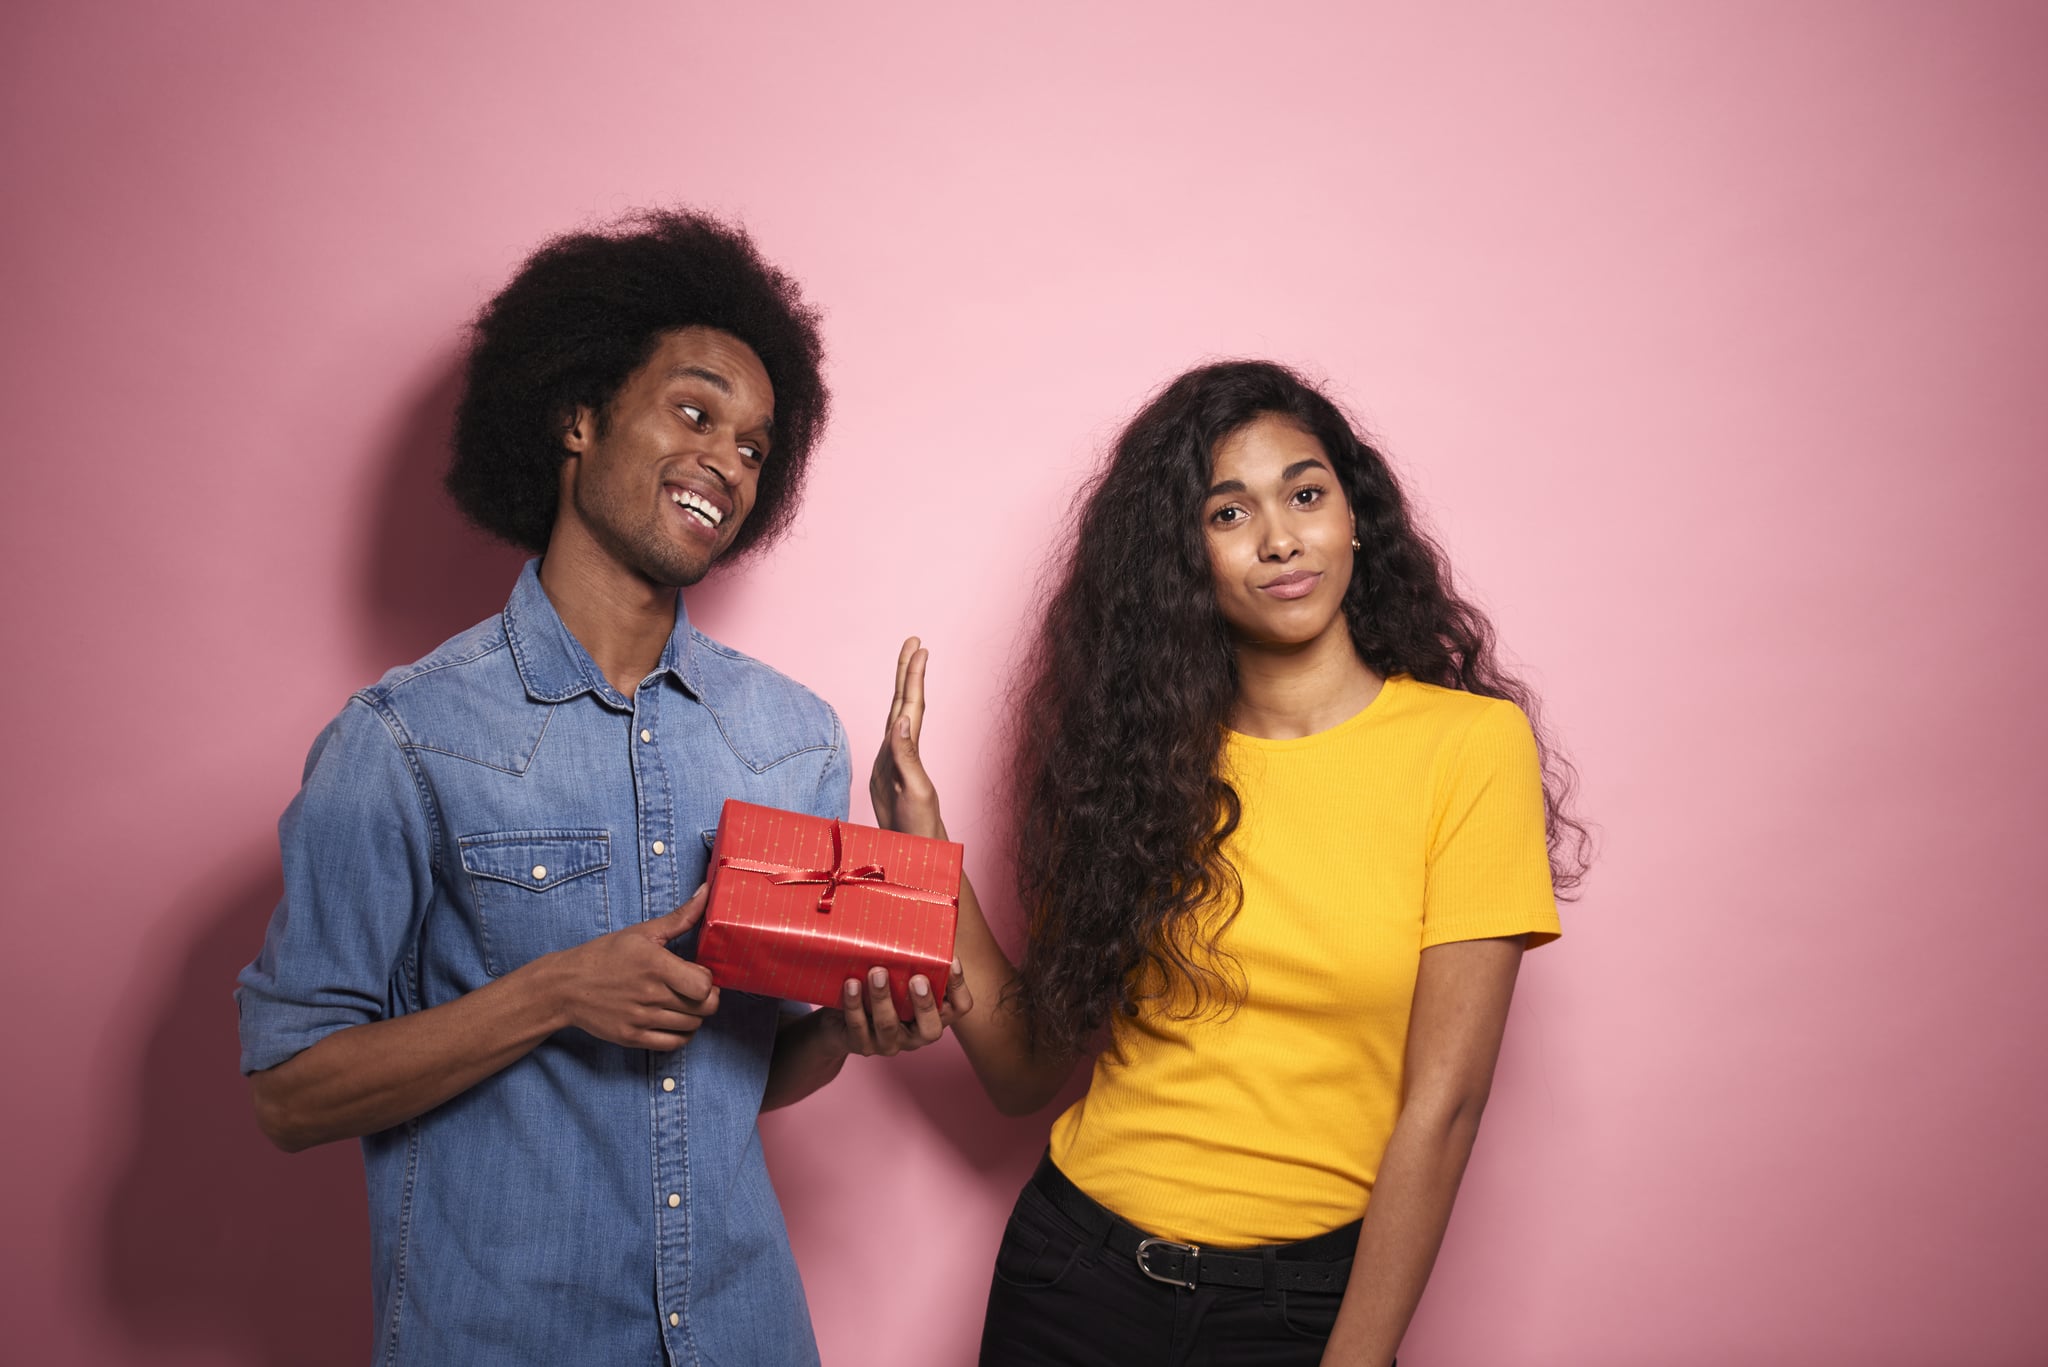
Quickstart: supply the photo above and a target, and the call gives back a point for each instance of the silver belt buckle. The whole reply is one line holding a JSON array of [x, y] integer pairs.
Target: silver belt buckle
[[1193, 1264]]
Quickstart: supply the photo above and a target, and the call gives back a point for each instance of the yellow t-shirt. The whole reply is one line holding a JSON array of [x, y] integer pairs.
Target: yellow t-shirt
[[1415, 823]]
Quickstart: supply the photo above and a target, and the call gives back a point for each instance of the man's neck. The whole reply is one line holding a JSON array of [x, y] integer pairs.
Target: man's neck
[[620, 618], [1286, 692]]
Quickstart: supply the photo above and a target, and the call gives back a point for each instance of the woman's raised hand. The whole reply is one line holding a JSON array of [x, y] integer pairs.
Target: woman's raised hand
[[902, 791]]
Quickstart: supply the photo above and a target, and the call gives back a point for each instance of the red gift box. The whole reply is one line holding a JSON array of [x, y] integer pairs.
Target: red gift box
[[799, 904]]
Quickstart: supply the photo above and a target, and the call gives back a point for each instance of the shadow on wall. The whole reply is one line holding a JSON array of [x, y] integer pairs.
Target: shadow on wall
[[213, 1238], [428, 573]]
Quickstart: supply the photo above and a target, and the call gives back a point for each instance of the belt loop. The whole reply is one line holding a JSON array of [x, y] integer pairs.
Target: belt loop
[[1272, 1269], [1091, 1252]]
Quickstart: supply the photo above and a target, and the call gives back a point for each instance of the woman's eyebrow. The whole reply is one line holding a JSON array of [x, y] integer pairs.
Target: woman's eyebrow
[[1236, 486]]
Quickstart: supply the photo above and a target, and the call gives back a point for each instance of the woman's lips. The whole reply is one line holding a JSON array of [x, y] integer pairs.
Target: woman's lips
[[1298, 584]]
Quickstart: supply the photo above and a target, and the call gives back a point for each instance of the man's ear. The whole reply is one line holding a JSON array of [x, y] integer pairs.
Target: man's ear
[[579, 429]]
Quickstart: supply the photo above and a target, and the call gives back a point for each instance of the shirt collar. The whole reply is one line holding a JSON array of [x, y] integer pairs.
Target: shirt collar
[[553, 664]]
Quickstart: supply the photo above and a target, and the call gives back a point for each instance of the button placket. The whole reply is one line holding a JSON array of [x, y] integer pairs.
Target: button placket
[[654, 820], [653, 806]]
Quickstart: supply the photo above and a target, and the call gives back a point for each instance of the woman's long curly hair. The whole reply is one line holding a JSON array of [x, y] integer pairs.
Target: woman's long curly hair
[[1122, 809]]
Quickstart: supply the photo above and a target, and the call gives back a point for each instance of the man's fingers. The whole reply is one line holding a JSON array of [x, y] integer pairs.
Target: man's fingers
[[659, 1041], [678, 922], [859, 1039], [673, 1020], [688, 980]]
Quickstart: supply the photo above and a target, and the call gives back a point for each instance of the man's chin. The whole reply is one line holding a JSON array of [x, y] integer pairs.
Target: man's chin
[[675, 571]]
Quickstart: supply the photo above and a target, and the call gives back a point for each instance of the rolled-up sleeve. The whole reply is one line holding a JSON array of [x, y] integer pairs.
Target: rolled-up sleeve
[[358, 876]]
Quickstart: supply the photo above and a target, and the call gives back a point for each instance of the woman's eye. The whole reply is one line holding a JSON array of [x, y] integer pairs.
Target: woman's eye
[[1228, 516], [1306, 496]]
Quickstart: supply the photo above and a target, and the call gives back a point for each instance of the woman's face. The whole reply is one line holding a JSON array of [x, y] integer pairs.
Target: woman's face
[[1279, 533]]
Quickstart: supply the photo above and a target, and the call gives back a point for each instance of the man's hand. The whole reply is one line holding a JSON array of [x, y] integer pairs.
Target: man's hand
[[904, 796], [629, 988], [867, 1017]]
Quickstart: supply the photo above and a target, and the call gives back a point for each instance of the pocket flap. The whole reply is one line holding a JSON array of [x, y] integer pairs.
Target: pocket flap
[[536, 859]]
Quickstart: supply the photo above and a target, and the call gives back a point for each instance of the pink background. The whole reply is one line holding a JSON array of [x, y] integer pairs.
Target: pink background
[[1711, 342]]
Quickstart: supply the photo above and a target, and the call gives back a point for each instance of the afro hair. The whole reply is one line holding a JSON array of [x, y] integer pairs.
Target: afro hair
[[583, 314]]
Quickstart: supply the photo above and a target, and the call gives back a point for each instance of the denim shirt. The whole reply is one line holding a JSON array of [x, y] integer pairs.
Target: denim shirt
[[494, 802]]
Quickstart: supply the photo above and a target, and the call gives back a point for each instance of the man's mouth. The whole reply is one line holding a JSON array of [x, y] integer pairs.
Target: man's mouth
[[697, 506]]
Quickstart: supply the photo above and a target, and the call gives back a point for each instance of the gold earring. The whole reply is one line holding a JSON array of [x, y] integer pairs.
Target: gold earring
[[1356, 544]]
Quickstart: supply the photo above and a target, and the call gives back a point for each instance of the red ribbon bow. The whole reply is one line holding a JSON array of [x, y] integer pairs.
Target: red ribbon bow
[[873, 875]]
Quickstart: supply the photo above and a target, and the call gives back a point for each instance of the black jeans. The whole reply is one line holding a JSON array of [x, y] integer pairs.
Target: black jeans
[[1061, 1296]]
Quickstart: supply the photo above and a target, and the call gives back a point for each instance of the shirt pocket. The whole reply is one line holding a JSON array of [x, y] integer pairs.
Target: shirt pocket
[[537, 892]]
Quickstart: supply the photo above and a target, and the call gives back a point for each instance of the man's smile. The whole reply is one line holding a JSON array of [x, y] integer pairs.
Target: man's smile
[[701, 510]]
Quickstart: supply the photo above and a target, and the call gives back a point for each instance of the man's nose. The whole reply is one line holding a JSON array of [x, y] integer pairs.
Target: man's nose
[[721, 456]]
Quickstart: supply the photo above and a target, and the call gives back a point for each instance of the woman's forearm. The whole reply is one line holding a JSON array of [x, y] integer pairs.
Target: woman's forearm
[[994, 1033], [1404, 1228], [1460, 1011]]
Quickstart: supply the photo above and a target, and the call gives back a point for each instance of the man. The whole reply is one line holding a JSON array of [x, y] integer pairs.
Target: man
[[493, 848]]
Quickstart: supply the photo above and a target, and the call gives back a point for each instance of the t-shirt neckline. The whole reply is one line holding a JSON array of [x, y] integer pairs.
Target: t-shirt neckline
[[1350, 723]]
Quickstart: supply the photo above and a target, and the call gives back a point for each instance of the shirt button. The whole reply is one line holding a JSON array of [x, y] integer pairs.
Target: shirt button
[[646, 735], [659, 847], [668, 1084], [674, 1200], [674, 1319], [540, 871]]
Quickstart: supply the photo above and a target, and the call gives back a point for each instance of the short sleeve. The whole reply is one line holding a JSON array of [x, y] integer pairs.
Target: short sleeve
[[358, 875], [1489, 860]]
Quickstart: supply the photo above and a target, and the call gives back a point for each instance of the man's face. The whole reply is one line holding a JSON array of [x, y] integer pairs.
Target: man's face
[[667, 486]]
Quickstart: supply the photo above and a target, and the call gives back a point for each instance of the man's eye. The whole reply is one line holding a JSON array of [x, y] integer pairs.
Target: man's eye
[[692, 412], [753, 454]]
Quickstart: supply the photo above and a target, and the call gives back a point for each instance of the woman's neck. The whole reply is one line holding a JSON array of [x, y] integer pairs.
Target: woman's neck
[[1286, 692]]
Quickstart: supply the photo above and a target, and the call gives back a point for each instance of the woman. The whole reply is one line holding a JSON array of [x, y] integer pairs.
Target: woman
[[1284, 832]]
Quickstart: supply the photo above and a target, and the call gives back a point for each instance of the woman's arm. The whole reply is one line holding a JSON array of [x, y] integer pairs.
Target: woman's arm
[[1017, 1079], [811, 1048], [1461, 1009]]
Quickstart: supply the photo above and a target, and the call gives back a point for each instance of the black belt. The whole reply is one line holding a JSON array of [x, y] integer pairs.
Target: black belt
[[1307, 1265]]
